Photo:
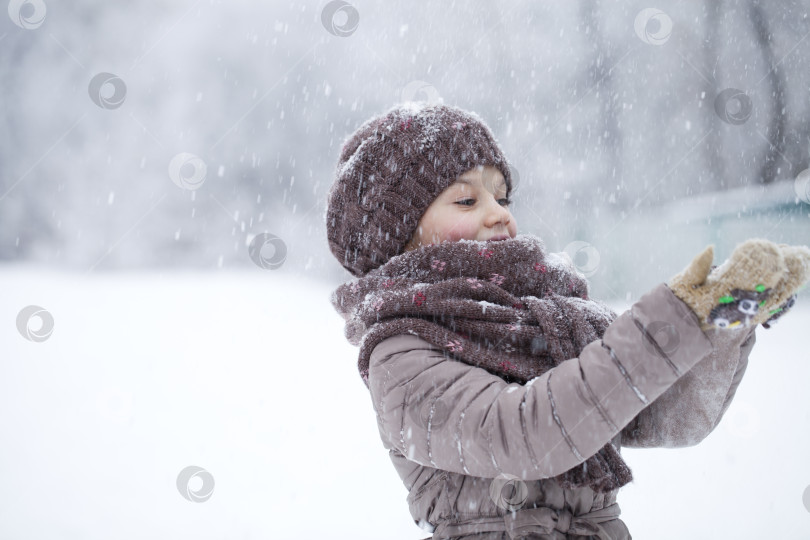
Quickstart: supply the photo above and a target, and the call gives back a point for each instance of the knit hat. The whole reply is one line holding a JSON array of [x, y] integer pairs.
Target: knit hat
[[392, 168]]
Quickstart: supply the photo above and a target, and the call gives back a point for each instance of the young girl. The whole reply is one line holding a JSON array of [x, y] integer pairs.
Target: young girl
[[503, 392]]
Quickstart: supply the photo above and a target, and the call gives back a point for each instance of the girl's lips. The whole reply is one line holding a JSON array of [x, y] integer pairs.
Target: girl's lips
[[499, 237]]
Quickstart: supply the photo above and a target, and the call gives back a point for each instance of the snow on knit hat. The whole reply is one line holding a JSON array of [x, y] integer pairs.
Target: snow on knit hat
[[392, 168]]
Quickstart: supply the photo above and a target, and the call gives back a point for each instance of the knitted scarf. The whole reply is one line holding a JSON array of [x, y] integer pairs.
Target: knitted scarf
[[507, 306]]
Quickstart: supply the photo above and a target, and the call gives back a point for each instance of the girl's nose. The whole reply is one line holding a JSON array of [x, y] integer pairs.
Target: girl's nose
[[497, 213]]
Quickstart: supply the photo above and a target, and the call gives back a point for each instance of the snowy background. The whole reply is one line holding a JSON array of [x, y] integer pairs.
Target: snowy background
[[153, 153]]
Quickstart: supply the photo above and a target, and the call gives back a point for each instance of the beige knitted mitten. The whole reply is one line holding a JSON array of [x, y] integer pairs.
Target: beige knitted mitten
[[757, 280], [796, 258]]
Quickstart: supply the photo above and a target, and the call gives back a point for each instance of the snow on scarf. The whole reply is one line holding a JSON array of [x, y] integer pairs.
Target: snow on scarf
[[508, 307]]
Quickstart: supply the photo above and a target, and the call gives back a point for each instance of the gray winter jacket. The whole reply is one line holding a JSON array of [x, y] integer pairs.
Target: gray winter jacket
[[477, 454]]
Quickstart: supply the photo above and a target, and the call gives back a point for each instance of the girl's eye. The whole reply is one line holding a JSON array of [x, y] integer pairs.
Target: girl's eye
[[469, 202]]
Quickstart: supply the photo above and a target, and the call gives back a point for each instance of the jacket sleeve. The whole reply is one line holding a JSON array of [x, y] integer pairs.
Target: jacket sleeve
[[691, 408], [449, 415]]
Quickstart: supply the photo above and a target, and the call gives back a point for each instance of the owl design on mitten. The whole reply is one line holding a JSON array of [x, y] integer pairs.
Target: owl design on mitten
[[738, 307], [756, 284], [776, 313]]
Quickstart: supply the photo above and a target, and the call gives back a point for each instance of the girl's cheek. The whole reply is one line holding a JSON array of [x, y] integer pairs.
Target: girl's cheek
[[460, 231], [453, 235]]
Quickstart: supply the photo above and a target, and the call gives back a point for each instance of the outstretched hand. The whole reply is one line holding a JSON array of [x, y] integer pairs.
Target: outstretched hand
[[757, 284]]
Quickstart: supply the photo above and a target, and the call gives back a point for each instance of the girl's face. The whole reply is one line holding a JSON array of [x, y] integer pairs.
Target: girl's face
[[474, 207]]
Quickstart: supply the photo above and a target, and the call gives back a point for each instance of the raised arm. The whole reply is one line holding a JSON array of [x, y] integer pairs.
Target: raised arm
[[446, 414]]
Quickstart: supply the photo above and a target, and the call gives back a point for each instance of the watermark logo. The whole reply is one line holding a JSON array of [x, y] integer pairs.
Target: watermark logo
[[268, 251], [25, 328], [508, 492], [187, 171], [514, 176], [584, 256], [27, 14], [430, 413], [665, 335], [340, 18], [733, 106], [653, 26], [802, 186], [107, 90], [414, 91], [191, 477]]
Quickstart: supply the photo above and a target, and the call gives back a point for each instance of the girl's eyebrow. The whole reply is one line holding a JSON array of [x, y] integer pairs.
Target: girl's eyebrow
[[501, 184]]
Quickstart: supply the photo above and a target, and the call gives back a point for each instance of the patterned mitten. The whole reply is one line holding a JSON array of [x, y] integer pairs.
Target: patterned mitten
[[747, 288], [777, 313], [797, 259]]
